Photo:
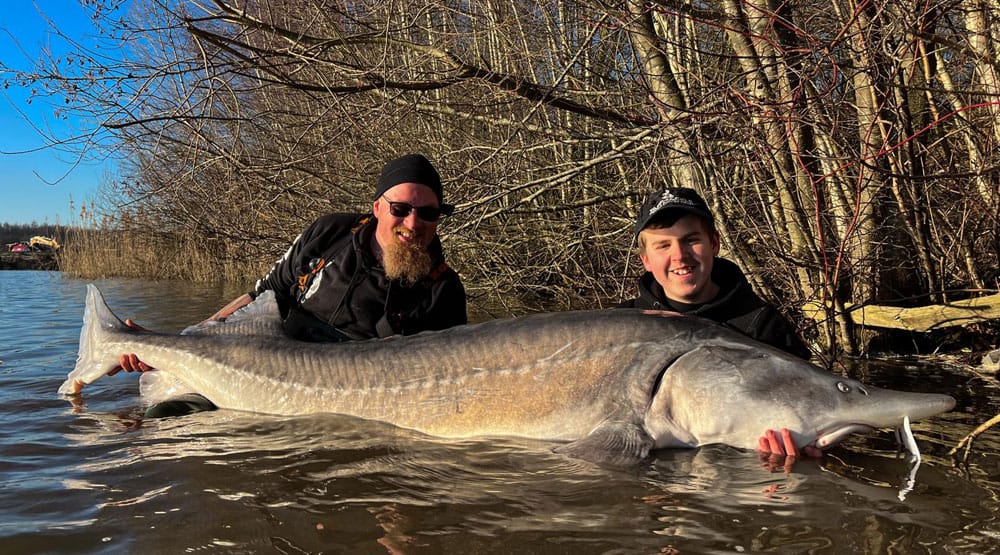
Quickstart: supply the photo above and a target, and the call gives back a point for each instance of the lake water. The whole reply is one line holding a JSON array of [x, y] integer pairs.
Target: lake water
[[92, 476]]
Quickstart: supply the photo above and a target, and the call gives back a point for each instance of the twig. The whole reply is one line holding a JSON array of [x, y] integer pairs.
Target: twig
[[967, 440]]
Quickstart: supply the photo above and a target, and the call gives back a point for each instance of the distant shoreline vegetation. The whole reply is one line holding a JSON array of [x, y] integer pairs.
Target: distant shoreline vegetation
[[99, 250], [103, 251]]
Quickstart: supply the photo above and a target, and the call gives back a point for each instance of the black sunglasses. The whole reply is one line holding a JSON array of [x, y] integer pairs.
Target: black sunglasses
[[425, 213]]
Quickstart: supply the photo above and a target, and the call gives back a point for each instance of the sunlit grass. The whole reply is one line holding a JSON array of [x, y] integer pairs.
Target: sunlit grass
[[108, 248]]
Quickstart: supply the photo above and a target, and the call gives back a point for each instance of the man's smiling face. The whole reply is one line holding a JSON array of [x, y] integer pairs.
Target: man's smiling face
[[680, 257], [410, 229]]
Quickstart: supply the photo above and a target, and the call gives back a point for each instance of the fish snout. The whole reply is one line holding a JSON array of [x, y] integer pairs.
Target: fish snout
[[884, 409], [933, 404]]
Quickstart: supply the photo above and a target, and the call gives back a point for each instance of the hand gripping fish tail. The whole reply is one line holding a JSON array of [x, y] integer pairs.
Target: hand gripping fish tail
[[94, 358]]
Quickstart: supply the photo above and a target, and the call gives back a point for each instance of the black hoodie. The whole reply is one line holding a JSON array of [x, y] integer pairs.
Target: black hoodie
[[331, 287], [736, 306]]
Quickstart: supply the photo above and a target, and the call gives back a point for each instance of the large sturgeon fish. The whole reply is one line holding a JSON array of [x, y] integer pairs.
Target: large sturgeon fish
[[608, 384]]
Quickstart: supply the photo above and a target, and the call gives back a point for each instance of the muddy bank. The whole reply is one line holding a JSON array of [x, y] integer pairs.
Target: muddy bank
[[28, 261]]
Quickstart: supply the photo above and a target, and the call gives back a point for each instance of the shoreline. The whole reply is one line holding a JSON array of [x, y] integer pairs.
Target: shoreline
[[28, 261]]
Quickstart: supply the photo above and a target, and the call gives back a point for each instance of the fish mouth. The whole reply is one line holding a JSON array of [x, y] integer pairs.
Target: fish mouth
[[828, 438]]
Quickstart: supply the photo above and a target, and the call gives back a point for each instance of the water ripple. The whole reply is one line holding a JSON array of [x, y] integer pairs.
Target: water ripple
[[91, 475]]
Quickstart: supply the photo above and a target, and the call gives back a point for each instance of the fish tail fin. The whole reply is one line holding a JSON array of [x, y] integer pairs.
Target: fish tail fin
[[92, 361]]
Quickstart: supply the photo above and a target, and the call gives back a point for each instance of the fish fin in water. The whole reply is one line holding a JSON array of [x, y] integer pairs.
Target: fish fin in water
[[617, 443], [260, 318], [156, 387], [91, 361]]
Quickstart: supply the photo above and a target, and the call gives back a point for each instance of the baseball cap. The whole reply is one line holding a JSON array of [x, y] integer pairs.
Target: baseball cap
[[661, 202]]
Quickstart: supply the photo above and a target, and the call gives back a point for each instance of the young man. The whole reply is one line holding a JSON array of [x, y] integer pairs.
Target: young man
[[679, 247], [360, 276]]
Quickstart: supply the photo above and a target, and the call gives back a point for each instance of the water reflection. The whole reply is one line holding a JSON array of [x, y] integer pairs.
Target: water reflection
[[92, 476], [411, 492]]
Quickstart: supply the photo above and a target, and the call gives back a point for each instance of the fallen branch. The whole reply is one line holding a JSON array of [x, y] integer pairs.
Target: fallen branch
[[922, 318], [967, 440]]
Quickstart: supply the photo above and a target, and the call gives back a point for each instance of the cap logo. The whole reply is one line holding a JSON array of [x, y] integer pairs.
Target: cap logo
[[668, 197]]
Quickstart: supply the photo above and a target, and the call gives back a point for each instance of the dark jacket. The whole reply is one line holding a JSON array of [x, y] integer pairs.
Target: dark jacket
[[330, 286], [736, 307]]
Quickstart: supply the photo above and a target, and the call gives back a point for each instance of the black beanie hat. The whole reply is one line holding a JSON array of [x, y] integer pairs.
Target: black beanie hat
[[411, 168]]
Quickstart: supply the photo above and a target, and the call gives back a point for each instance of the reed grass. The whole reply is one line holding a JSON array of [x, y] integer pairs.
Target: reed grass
[[110, 250]]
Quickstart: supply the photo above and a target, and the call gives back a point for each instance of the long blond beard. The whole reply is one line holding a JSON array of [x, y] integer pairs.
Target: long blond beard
[[407, 262]]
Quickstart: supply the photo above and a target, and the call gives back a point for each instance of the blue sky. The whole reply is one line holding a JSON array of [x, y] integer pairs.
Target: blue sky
[[37, 186]]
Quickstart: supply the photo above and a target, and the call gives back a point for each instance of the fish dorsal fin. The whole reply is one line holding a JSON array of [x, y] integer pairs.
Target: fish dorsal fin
[[259, 318]]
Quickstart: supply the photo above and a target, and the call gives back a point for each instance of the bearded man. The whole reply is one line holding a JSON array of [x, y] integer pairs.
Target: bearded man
[[359, 276]]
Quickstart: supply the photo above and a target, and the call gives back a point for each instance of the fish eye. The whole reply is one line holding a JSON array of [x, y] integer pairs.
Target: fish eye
[[843, 387]]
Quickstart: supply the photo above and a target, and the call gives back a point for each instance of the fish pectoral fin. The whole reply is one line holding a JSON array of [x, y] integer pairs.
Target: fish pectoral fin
[[616, 443]]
